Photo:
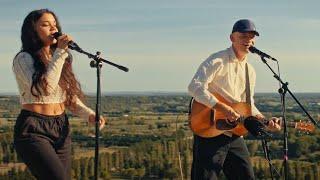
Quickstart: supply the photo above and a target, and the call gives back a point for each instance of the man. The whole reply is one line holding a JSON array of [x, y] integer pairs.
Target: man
[[226, 73]]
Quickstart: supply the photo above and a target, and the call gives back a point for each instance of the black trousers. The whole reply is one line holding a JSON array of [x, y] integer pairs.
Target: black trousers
[[44, 144], [211, 155]]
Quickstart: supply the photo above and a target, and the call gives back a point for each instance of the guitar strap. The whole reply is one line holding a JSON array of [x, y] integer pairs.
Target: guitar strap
[[190, 105], [248, 93]]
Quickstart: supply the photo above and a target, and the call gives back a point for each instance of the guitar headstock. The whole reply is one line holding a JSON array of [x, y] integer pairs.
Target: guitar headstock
[[304, 126]]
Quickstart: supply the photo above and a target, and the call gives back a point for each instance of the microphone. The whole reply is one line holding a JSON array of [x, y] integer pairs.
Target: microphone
[[260, 53], [72, 45]]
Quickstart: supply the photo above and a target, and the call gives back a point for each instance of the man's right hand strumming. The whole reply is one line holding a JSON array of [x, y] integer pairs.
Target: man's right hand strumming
[[231, 114]]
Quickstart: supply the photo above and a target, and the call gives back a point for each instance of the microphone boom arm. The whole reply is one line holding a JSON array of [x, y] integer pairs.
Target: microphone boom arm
[[97, 58], [74, 46]]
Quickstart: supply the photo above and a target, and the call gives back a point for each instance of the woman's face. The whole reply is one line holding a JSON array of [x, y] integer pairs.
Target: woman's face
[[45, 28]]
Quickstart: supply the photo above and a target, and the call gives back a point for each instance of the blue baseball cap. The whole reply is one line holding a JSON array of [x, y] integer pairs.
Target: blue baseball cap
[[245, 25]]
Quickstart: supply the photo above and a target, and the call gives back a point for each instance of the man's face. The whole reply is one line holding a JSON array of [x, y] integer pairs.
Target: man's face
[[242, 41]]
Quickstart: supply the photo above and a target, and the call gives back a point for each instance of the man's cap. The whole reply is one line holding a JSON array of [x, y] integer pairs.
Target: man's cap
[[244, 25]]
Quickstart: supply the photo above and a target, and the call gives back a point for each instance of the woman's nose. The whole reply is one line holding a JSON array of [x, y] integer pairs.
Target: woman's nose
[[53, 28]]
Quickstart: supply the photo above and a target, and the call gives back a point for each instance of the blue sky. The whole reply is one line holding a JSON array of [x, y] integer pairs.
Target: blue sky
[[163, 42]]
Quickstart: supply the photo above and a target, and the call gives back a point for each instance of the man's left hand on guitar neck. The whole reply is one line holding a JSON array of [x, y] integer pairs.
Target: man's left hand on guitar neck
[[274, 124]]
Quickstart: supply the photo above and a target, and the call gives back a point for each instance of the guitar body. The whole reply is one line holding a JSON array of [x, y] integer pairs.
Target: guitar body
[[203, 120]]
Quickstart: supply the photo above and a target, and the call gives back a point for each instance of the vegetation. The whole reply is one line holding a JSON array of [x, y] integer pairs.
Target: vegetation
[[147, 137]]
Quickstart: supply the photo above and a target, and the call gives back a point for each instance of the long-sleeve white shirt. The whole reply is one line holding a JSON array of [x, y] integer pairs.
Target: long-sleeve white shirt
[[23, 69], [224, 74]]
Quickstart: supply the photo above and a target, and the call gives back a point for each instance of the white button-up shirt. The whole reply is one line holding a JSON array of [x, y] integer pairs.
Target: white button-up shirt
[[224, 74]]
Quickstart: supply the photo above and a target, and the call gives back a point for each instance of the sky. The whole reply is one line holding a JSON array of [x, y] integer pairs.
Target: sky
[[163, 42]]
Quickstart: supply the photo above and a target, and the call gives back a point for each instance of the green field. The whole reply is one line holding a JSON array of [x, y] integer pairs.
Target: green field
[[148, 137]]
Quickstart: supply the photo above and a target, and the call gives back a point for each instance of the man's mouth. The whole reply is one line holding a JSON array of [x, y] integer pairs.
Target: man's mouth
[[247, 45]]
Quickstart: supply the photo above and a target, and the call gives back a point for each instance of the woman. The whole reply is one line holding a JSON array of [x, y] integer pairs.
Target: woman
[[47, 87]]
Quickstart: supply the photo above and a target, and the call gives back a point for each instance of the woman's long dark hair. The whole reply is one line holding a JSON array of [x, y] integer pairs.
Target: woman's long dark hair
[[32, 44]]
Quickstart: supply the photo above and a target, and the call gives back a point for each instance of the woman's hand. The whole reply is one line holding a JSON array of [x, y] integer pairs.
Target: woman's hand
[[92, 120], [63, 41]]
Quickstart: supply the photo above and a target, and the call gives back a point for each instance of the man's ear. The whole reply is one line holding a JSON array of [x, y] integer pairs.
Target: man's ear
[[232, 37]]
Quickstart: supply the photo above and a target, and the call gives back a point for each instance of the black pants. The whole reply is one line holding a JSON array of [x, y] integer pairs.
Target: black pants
[[44, 144], [211, 155]]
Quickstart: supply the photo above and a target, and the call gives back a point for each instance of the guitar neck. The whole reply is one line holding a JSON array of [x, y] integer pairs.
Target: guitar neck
[[289, 124], [302, 126]]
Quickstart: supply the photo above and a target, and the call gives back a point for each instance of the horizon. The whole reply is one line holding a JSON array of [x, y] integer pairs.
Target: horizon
[[160, 93]]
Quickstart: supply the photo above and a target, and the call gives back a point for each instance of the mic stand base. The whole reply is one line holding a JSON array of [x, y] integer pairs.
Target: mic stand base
[[266, 151]]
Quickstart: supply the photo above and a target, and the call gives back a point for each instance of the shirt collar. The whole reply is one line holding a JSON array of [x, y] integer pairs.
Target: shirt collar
[[233, 58]]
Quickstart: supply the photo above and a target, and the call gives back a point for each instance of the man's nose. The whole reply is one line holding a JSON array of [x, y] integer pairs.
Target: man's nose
[[251, 41]]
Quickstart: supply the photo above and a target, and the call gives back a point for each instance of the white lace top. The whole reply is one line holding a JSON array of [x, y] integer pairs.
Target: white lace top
[[24, 70]]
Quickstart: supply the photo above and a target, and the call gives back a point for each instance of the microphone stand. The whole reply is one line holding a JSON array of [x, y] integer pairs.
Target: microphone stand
[[97, 63], [282, 91]]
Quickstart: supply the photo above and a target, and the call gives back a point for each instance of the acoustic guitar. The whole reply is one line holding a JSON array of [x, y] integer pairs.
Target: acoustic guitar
[[207, 122]]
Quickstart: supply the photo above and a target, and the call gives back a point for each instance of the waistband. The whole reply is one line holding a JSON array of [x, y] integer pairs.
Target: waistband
[[24, 112], [231, 137]]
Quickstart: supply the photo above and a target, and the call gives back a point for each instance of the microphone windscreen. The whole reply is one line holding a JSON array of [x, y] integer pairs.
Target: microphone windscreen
[[56, 34], [254, 126], [252, 49]]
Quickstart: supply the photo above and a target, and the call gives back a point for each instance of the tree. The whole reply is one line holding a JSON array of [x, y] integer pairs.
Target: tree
[[316, 171], [84, 168], [299, 171], [91, 167], [130, 172], [76, 169], [171, 173], [141, 172], [253, 147], [186, 162]]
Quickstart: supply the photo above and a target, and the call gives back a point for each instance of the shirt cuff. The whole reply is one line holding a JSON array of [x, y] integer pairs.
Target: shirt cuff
[[62, 53], [255, 111]]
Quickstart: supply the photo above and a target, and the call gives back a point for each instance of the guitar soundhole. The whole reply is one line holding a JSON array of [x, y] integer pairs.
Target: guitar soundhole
[[223, 124]]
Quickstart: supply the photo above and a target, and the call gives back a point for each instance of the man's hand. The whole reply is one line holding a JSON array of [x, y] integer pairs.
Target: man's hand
[[260, 116], [274, 124], [231, 114]]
